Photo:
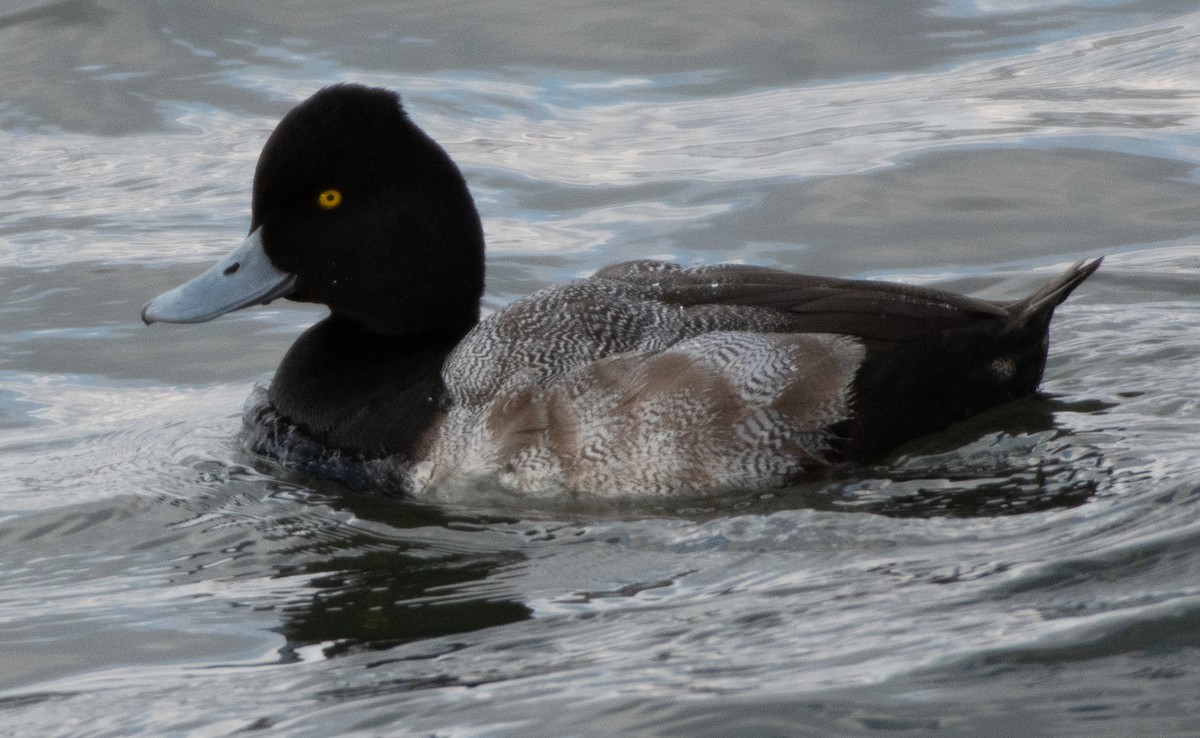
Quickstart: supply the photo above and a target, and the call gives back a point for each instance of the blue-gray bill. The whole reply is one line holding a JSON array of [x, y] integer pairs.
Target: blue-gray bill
[[243, 278]]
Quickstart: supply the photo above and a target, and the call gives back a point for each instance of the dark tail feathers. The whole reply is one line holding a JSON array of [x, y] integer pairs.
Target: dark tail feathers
[[1052, 294]]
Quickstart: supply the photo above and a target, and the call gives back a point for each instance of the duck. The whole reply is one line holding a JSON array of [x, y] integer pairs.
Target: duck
[[646, 379]]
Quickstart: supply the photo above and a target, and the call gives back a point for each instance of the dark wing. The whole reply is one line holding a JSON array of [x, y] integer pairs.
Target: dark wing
[[933, 357], [884, 312]]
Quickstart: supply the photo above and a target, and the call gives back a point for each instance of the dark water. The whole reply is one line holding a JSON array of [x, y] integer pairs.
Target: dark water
[[1035, 571]]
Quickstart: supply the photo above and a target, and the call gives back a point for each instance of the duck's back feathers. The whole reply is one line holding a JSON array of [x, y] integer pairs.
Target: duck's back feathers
[[651, 378], [606, 385], [876, 311]]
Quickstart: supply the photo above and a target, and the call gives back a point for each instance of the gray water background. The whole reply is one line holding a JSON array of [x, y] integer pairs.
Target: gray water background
[[1035, 571]]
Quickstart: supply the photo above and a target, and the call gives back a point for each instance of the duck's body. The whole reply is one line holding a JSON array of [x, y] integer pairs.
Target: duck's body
[[645, 379]]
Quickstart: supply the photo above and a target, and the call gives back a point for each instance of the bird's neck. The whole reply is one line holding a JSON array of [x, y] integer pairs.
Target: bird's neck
[[362, 392]]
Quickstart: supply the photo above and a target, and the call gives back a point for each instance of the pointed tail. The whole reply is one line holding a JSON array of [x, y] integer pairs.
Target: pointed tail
[[1052, 294]]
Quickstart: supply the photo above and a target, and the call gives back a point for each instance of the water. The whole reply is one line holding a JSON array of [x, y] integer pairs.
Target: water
[[1035, 571]]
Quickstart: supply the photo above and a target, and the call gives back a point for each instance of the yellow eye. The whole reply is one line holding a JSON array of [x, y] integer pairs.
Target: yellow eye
[[329, 199]]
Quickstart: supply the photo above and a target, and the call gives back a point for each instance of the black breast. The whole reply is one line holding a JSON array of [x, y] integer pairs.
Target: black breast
[[358, 392]]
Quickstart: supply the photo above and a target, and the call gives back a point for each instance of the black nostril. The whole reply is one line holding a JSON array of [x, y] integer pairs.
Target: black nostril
[[232, 268]]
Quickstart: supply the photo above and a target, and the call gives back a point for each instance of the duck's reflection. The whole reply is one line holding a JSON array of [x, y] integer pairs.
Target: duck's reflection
[[1014, 459], [389, 592]]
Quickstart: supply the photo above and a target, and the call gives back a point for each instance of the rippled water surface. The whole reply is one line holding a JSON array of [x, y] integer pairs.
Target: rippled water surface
[[1034, 571]]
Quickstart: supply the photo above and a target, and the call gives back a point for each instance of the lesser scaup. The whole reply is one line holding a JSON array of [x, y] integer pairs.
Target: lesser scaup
[[648, 378]]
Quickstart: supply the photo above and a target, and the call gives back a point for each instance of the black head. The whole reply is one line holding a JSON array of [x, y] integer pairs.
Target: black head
[[370, 215]]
